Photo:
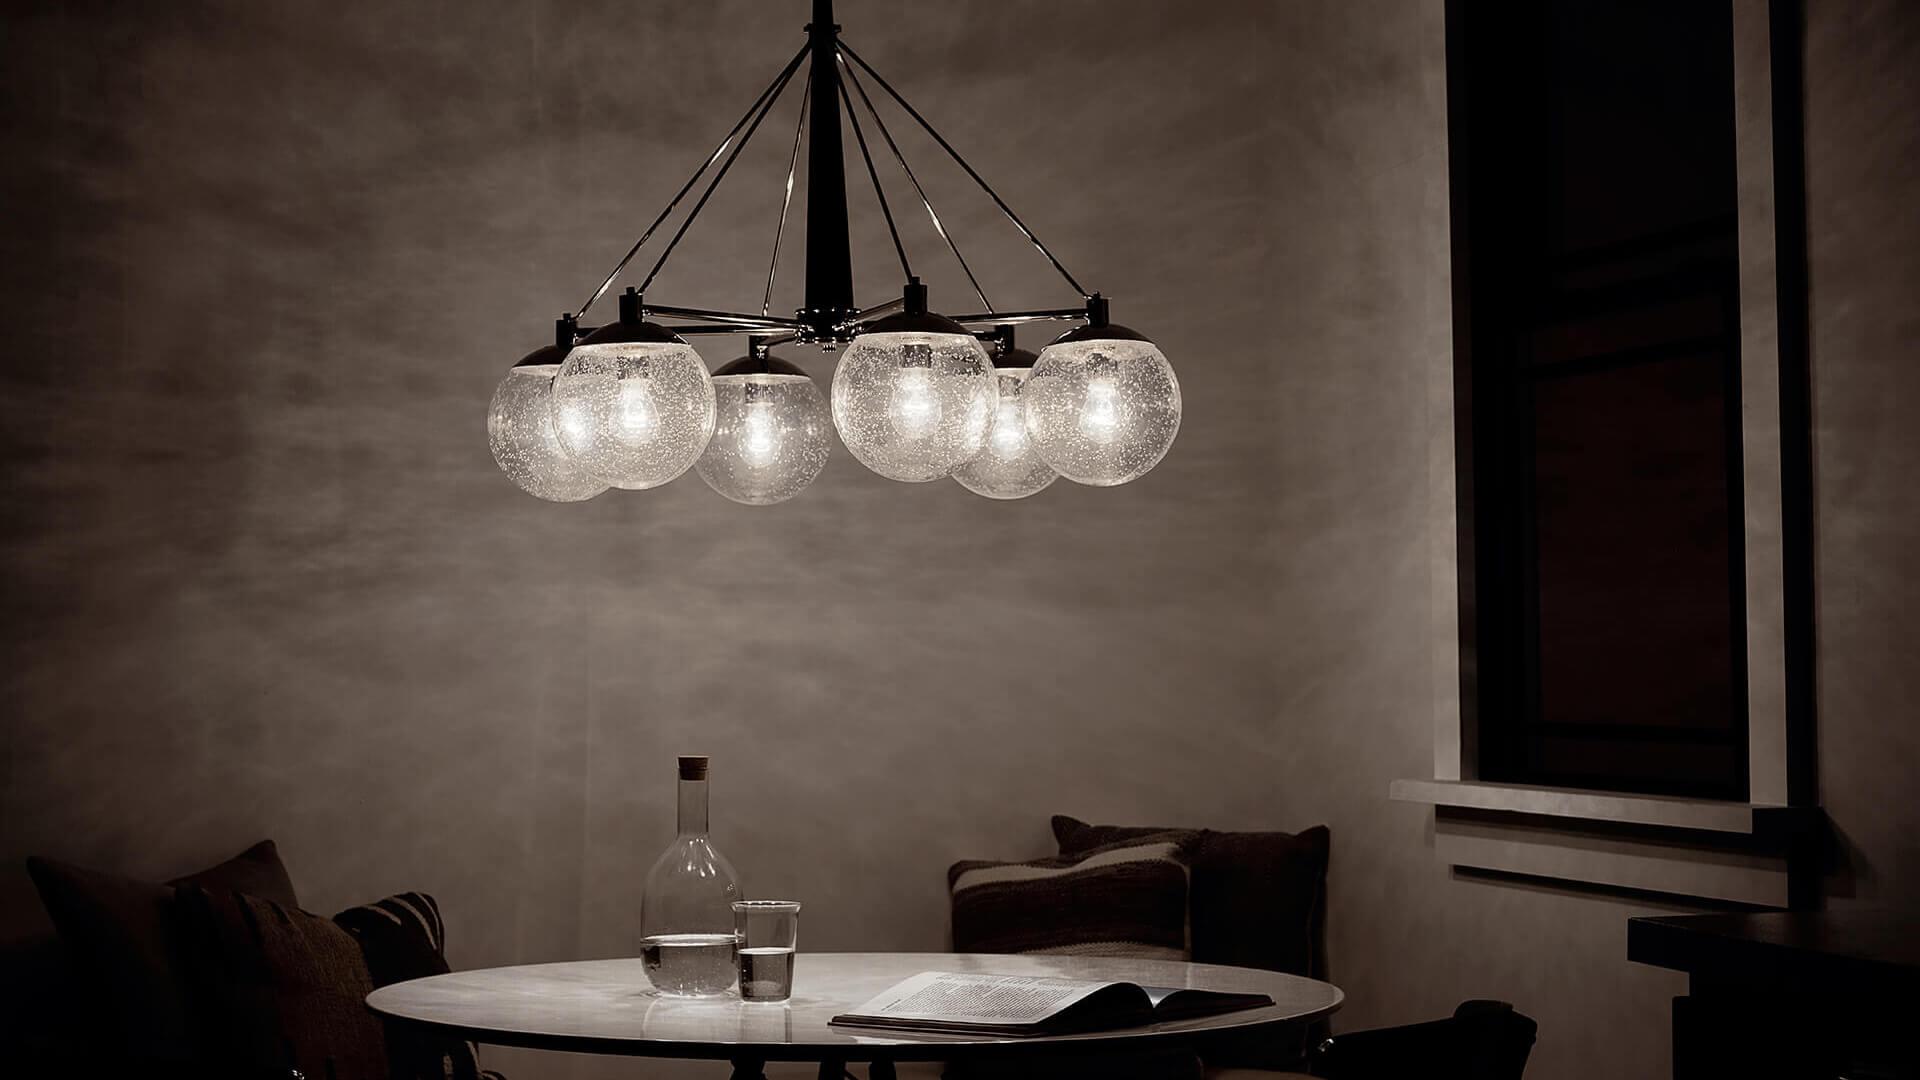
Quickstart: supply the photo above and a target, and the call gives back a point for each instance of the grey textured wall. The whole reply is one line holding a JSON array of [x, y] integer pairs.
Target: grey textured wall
[[264, 262]]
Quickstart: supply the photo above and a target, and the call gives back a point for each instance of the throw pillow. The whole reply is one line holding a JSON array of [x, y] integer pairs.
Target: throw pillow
[[119, 931], [1258, 897], [1127, 899], [1258, 900], [277, 989], [403, 938]]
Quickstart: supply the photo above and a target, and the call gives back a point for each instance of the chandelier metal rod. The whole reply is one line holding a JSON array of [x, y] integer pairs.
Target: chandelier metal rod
[[962, 162], [719, 175], [738, 318], [786, 202], [778, 81], [873, 174], [1013, 317], [881, 123], [715, 329], [894, 304]]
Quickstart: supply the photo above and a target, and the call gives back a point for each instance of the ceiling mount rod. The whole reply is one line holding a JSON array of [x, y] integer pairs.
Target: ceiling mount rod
[[829, 285]]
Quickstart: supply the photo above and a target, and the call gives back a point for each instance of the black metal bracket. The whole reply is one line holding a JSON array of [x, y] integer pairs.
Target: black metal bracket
[[828, 316]]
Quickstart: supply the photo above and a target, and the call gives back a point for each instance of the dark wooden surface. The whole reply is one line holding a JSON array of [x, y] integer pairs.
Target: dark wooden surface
[[1854, 952], [1789, 994]]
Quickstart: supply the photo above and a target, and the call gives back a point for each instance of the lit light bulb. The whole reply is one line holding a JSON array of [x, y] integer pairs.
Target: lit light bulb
[[760, 439], [522, 434], [637, 418], [1100, 417], [772, 437], [1008, 468], [913, 394], [1103, 404], [915, 409], [1009, 438], [573, 421], [633, 404]]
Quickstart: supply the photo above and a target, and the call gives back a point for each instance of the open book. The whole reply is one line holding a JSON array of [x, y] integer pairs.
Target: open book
[[1016, 1005]]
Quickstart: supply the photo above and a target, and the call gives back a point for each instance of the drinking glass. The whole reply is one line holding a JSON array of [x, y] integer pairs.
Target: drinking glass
[[769, 934]]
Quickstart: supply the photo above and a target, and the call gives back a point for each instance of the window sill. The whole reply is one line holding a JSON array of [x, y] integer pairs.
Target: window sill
[[1699, 849], [1704, 815]]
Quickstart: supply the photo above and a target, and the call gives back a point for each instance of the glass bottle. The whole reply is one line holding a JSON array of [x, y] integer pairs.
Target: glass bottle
[[687, 940]]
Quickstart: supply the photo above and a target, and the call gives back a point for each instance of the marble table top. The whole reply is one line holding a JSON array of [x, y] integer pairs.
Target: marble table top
[[608, 1007]]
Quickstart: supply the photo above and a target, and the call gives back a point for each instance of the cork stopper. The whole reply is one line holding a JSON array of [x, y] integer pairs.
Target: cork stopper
[[693, 766]]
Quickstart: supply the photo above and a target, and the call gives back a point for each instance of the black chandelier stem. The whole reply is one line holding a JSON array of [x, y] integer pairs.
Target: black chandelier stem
[[962, 162], [881, 123], [829, 285], [779, 80], [786, 201], [879, 192], [721, 174]]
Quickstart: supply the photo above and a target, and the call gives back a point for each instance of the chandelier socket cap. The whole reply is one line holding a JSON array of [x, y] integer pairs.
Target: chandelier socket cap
[[1098, 328], [759, 365], [543, 356], [632, 329], [563, 329], [1109, 332], [914, 318]]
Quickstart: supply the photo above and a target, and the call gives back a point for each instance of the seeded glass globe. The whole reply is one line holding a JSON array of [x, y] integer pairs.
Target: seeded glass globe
[[1007, 467], [521, 434], [913, 394], [771, 437], [1103, 405], [633, 404]]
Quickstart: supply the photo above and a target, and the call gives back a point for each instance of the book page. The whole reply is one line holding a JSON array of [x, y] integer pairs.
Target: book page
[[978, 999]]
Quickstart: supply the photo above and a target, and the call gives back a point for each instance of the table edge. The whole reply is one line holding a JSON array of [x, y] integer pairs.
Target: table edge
[[905, 1050]]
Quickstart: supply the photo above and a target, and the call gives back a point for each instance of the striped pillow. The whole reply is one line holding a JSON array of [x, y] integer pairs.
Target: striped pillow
[[1127, 899], [403, 938]]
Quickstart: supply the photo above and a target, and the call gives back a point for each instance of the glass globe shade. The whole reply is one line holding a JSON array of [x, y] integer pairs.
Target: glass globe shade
[[1007, 466], [525, 444], [913, 406], [633, 413], [1102, 410], [770, 438]]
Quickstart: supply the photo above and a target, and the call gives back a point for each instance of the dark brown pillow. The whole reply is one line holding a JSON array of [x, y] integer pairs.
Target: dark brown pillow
[[1258, 900], [1258, 897], [1126, 899], [277, 989], [120, 932]]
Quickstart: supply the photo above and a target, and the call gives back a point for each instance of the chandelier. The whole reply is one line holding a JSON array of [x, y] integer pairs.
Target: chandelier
[[916, 396]]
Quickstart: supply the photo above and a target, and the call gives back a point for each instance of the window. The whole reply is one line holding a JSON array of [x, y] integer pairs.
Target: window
[[1598, 395]]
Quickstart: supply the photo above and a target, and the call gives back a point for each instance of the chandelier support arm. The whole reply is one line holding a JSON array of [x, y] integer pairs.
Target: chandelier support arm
[[962, 162], [733, 156], [739, 318], [786, 200], [829, 284], [880, 193], [778, 81], [1011, 318], [901, 158]]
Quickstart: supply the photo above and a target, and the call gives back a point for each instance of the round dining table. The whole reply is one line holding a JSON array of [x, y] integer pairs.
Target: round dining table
[[608, 1007]]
